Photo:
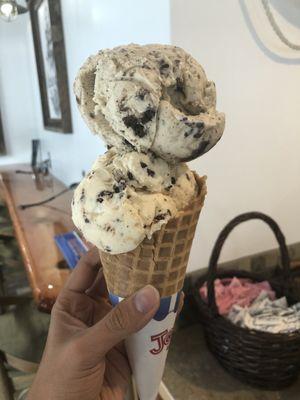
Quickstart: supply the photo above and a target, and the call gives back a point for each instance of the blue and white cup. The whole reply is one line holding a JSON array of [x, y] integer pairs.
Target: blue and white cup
[[148, 349]]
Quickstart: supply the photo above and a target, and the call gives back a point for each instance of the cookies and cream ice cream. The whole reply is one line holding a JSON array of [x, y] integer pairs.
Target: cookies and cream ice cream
[[153, 97], [155, 108], [127, 196]]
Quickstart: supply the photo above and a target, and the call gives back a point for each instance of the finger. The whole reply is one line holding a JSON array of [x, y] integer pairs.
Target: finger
[[127, 317], [120, 347], [101, 308], [98, 290], [118, 368], [85, 272], [118, 374]]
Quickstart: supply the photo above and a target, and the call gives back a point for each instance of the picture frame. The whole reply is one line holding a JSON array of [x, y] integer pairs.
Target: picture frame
[[48, 38], [2, 142]]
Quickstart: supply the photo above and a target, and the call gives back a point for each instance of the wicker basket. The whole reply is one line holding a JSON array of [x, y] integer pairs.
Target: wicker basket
[[266, 360]]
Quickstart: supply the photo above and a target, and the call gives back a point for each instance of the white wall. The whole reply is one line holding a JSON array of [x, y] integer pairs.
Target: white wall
[[17, 110], [88, 27], [256, 166]]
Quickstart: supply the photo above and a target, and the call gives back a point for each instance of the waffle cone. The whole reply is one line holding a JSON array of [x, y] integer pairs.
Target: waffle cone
[[160, 261]]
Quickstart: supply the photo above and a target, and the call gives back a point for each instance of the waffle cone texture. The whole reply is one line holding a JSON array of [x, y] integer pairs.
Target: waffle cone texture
[[160, 261]]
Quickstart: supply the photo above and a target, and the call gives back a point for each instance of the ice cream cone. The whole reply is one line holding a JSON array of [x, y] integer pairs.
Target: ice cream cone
[[160, 261], [142, 180]]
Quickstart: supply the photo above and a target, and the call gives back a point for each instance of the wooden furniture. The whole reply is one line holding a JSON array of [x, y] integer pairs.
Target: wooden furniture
[[36, 227]]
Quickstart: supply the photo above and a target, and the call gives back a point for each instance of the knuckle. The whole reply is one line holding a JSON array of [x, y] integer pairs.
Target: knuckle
[[63, 302], [118, 319]]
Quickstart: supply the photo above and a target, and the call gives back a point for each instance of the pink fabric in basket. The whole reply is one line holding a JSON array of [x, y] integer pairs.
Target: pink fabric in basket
[[231, 291]]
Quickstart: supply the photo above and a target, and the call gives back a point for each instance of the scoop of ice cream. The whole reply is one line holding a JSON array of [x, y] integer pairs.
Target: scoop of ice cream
[[127, 196], [153, 97]]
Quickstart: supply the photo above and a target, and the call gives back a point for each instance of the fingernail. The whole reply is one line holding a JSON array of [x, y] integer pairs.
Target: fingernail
[[146, 299]]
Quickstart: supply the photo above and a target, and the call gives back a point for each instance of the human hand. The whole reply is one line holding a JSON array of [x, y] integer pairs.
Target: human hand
[[84, 358]]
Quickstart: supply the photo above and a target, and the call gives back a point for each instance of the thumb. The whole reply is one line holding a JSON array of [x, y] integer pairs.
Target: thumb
[[127, 317]]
